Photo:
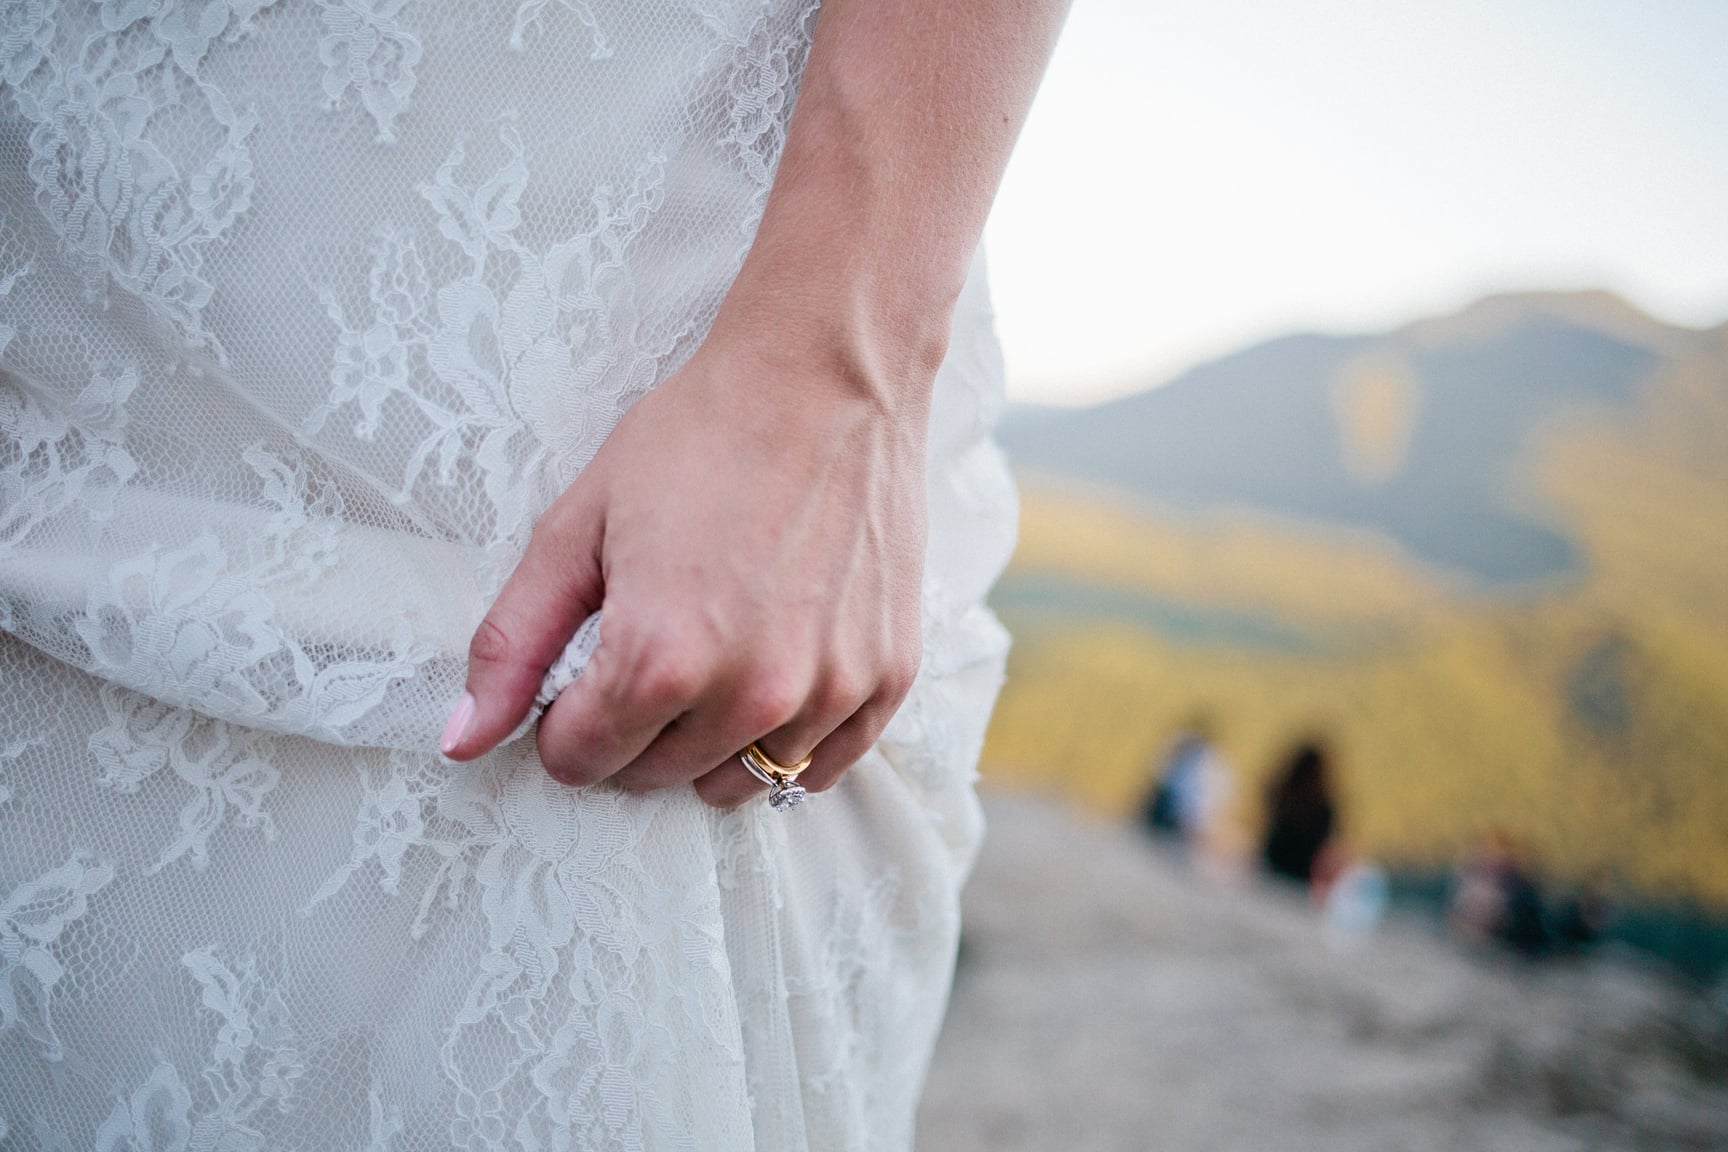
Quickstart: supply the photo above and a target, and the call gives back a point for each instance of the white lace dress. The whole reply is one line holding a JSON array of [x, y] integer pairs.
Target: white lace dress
[[306, 311]]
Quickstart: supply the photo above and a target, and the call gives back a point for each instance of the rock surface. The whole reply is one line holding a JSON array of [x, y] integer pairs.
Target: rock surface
[[1109, 997]]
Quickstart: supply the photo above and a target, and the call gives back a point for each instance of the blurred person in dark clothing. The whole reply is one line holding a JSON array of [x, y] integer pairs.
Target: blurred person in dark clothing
[[1301, 814], [1583, 918], [1498, 897]]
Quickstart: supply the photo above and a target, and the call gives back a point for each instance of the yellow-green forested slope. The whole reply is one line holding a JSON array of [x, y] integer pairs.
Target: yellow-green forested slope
[[1588, 716]]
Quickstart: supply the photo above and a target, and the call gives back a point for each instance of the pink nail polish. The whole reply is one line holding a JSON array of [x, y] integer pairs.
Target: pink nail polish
[[457, 726]]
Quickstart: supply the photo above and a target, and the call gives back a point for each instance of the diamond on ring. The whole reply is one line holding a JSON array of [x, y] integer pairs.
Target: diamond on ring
[[785, 797], [784, 792]]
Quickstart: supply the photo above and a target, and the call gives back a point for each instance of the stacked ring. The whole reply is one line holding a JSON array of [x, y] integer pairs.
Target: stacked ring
[[784, 792]]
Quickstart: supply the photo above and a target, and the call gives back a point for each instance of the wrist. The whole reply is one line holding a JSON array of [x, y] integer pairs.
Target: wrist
[[855, 265], [838, 325]]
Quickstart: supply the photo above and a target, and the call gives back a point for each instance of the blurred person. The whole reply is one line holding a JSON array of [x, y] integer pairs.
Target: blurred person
[[1301, 815], [1584, 917], [1353, 902], [1193, 782], [1497, 897]]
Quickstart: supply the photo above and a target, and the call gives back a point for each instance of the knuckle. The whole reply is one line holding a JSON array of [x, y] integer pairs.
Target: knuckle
[[568, 771], [771, 701], [845, 748], [842, 694], [559, 757], [631, 633], [665, 680], [899, 676], [490, 644], [650, 670]]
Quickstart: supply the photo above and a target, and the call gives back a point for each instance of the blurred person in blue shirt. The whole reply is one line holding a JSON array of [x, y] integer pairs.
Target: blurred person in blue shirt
[[1194, 782]]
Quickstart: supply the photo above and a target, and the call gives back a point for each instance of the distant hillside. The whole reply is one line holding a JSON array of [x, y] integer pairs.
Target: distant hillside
[[1425, 434], [1273, 540]]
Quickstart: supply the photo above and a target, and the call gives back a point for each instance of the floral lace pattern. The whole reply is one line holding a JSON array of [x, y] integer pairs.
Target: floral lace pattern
[[472, 365], [531, 13], [199, 625], [55, 458], [156, 1114], [393, 818], [253, 1065], [119, 205], [229, 769], [308, 308], [366, 49], [32, 919]]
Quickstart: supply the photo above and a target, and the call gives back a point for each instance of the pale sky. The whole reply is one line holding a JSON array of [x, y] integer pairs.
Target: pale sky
[[1198, 175]]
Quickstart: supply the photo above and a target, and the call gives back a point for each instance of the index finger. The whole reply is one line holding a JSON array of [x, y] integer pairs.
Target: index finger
[[629, 693]]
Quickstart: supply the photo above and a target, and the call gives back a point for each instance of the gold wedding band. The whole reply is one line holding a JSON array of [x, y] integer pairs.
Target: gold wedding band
[[772, 766], [784, 792]]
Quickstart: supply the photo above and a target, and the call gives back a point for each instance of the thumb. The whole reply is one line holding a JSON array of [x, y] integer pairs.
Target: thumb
[[556, 585]]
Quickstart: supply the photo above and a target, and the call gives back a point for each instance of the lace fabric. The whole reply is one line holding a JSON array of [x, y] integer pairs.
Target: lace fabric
[[307, 310]]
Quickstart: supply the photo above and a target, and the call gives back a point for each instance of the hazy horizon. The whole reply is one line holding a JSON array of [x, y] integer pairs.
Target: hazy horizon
[[1104, 391], [1197, 179]]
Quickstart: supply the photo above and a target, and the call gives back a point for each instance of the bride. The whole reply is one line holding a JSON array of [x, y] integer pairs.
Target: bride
[[371, 370]]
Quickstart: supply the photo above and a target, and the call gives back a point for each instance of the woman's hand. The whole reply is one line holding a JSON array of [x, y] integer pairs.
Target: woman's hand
[[755, 530], [755, 526]]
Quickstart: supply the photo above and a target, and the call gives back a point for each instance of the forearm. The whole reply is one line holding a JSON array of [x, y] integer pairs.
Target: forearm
[[753, 528], [904, 123]]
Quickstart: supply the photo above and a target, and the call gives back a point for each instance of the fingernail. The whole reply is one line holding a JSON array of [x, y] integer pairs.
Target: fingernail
[[457, 726]]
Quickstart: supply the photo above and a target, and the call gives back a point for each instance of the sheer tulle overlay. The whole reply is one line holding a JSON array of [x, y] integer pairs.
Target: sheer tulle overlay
[[307, 310]]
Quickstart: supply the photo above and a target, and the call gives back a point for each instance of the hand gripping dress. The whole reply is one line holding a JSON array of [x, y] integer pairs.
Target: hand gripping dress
[[307, 310]]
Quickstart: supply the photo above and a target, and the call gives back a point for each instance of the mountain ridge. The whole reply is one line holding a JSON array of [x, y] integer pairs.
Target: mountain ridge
[[1426, 433]]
